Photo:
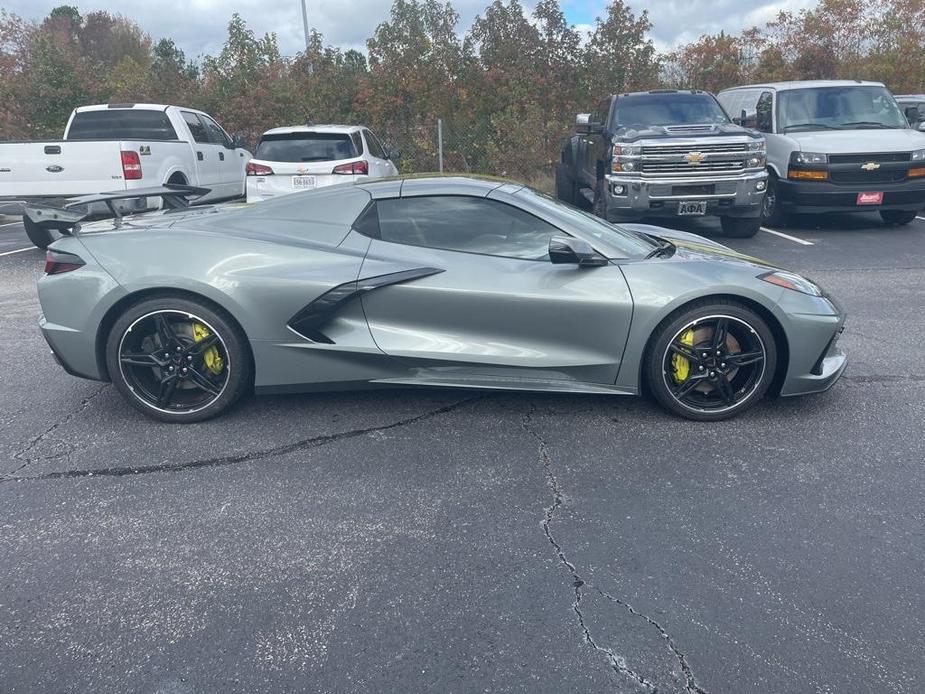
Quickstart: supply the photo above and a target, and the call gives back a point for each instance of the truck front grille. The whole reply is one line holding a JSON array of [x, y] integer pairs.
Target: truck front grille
[[681, 150], [687, 169]]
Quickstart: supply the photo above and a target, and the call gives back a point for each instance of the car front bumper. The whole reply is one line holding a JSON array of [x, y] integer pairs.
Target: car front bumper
[[816, 360], [734, 196], [810, 197]]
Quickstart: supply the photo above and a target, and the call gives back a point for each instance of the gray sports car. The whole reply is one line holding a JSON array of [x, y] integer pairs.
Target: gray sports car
[[437, 281]]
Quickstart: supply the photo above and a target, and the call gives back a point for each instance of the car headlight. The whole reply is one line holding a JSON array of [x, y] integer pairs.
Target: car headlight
[[809, 158], [789, 280], [918, 155]]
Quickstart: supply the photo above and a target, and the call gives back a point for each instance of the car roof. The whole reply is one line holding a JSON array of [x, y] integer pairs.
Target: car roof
[[321, 128], [805, 84], [661, 91], [434, 184]]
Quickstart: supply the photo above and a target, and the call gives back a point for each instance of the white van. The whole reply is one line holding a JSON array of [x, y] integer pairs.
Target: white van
[[834, 146]]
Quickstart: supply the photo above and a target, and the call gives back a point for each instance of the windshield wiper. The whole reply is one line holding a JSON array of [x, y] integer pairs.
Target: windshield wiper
[[869, 124], [664, 249], [812, 125]]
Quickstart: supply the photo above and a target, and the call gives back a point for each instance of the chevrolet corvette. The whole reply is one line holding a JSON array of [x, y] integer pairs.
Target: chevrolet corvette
[[446, 282]]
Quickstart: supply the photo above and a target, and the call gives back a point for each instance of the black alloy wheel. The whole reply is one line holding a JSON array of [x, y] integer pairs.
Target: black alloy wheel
[[712, 363], [177, 360]]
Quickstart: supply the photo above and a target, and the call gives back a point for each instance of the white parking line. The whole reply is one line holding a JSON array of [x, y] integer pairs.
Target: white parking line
[[10, 224], [803, 242], [922, 218], [18, 250]]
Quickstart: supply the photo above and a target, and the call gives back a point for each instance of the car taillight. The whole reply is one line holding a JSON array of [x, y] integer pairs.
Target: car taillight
[[253, 169], [131, 166], [57, 262], [355, 167]]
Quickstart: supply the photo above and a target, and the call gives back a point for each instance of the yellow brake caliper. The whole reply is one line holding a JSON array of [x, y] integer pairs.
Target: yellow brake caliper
[[681, 365], [212, 359]]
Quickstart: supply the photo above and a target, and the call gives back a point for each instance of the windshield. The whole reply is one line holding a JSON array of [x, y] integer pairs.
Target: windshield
[[628, 244], [302, 147], [846, 107], [645, 110]]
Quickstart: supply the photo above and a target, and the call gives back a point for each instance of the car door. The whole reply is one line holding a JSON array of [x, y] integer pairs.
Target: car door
[[209, 168], [478, 298], [379, 165], [231, 161]]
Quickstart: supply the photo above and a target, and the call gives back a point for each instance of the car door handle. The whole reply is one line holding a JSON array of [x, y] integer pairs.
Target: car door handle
[[199, 156], [221, 155]]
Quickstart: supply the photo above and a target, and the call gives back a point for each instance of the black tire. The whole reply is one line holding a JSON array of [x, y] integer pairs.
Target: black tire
[[733, 388], [740, 227], [136, 343], [40, 238], [565, 185], [771, 213], [898, 217]]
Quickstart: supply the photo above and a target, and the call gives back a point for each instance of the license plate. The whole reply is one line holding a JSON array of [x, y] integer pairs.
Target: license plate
[[687, 209], [300, 182], [870, 198]]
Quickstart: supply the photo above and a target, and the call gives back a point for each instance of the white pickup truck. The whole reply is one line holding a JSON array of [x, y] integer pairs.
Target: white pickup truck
[[114, 147]]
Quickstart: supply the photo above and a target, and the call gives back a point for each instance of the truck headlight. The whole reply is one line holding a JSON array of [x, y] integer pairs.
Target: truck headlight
[[624, 150], [756, 162], [809, 158], [756, 146], [918, 155]]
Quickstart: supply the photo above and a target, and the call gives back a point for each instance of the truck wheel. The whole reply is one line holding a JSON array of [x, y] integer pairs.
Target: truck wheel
[[897, 217], [740, 227], [565, 185], [771, 213], [40, 237]]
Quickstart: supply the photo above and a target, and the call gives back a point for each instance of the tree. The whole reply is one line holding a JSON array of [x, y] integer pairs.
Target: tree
[[620, 56]]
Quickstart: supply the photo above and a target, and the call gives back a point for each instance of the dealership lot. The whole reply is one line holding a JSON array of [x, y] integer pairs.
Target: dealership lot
[[410, 540]]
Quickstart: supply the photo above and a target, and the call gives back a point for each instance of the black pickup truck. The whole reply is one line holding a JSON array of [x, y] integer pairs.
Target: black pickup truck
[[665, 153]]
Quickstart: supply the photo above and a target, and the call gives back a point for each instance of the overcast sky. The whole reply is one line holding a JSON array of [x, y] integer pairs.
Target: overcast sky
[[198, 26]]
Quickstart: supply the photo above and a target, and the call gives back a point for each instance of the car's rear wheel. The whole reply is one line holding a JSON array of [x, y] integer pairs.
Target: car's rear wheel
[[178, 360], [41, 238], [740, 227], [711, 361], [898, 217]]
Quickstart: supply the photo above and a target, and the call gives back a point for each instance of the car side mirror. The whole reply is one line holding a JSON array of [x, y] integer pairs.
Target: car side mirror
[[912, 113], [239, 142], [583, 123], [393, 154], [565, 250]]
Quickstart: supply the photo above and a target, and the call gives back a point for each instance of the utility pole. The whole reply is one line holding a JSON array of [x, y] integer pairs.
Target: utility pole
[[305, 23]]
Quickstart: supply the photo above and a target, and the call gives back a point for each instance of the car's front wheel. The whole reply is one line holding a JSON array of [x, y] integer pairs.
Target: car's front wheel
[[711, 361], [178, 360], [898, 217], [772, 214]]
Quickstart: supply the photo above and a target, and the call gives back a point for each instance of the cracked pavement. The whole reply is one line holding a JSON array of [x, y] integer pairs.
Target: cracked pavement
[[437, 540]]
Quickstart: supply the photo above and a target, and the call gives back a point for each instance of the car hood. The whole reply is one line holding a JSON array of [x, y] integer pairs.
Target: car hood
[[695, 247], [862, 140]]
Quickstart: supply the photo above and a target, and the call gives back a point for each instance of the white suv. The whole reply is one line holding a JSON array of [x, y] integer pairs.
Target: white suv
[[303, 157], [834, 146]]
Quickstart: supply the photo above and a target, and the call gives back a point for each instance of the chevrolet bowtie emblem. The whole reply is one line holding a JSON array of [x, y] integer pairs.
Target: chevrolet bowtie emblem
[[870, 166], [694, 157]]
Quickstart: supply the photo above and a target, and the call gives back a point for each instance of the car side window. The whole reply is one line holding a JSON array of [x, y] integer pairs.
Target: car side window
[[466, 224], [196, 128], [357, 142], [764, 113], [375, 149], [217, 134]]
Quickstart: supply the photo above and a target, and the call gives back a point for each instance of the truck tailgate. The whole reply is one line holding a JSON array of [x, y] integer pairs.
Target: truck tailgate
[[59, 169]]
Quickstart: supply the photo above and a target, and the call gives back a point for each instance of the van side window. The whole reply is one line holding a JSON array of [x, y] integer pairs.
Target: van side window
[[764, 113]]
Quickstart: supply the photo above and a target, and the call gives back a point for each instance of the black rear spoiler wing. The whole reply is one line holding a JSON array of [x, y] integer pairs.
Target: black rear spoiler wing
[[65, 219]]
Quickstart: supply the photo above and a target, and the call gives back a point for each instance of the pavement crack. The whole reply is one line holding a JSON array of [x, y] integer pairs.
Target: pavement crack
[[692, 686], [617, 662], [22, 456], [222, 461]]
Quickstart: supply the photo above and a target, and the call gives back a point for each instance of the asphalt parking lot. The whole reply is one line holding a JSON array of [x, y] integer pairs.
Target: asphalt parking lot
[[449, 541]]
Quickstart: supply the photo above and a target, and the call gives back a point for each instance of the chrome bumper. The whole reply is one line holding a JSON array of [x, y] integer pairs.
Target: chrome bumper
[[655, 195]]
